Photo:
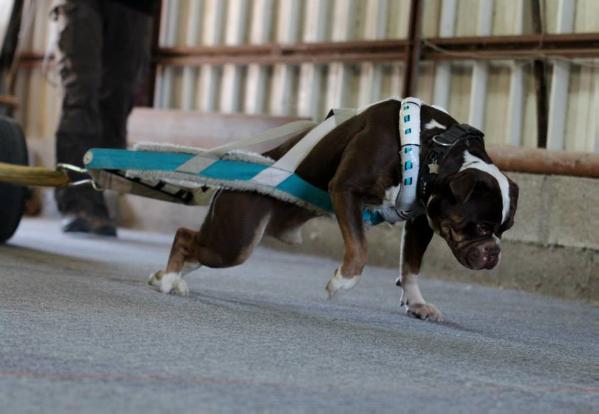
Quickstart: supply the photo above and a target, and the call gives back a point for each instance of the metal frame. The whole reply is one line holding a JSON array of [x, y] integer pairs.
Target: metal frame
[[524, 47]]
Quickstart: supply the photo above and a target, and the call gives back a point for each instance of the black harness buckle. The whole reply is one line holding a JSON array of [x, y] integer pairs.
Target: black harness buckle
[[442, 144]]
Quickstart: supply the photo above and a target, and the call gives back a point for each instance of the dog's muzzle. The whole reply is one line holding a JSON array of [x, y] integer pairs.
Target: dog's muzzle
[[479, 255]]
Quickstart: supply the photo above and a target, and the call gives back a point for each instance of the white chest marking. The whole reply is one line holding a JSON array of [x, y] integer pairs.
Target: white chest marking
[[434, 124], [471, 161]]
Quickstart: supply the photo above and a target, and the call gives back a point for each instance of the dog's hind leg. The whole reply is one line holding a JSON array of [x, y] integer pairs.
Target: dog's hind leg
[[180, 262], [234, 225]]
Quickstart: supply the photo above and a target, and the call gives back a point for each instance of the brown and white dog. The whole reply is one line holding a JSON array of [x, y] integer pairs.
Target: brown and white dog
[[468, 202]]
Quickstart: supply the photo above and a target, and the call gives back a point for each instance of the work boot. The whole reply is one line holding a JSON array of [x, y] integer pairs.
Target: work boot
[[81, 223]]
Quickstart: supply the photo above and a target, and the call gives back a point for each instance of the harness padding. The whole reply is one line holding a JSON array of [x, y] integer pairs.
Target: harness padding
[[406, 203]]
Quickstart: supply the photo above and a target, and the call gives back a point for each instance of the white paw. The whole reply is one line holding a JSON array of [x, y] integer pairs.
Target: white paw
[[180, 287], [154, 280], [169, 283], [338, 282], [426, 311]]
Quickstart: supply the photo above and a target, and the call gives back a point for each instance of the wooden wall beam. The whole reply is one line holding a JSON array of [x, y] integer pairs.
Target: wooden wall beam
[[412, 52]]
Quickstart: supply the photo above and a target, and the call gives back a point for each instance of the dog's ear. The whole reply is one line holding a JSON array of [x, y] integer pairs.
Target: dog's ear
[[514, 192], [464, 183], [462, 186]]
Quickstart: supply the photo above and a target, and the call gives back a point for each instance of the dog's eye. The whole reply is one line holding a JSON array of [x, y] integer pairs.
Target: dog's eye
[[446, 231], [483, 229]]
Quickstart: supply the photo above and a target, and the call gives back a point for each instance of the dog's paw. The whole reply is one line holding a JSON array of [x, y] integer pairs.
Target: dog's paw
[[169, 283], [425, 311], [338, 282]]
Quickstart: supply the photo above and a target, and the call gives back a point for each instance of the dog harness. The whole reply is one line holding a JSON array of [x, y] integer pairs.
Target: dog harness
[[191, 175]]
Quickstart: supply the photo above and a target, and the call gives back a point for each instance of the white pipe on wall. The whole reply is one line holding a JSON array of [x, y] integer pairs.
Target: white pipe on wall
[[559, 83], [480, 72]]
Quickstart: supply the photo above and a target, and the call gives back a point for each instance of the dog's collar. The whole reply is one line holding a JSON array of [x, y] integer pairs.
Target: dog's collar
[[438, 150]]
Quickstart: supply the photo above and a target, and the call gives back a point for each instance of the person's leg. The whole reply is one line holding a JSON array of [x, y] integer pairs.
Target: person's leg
[[80, 61], [125, 55]]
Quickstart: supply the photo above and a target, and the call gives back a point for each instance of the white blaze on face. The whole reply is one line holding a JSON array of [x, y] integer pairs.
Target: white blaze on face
[[434, 124], [471, 161]]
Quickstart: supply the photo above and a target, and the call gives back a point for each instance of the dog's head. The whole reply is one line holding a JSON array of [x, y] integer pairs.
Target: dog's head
[[471, 209]]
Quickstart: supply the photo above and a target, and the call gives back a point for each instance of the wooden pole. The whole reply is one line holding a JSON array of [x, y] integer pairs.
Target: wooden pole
[[540, 80], [412, 54], [542, 161]]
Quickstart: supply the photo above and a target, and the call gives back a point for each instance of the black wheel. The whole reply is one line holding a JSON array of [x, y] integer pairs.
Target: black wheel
[[13, 150]]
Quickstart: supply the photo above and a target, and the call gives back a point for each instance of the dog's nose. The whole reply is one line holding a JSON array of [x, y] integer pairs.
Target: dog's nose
[[490, 256], [492, 251]]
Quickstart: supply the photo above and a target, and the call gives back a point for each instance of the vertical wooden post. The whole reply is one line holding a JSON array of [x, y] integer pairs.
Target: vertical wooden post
[[540, 79], [413, 50]]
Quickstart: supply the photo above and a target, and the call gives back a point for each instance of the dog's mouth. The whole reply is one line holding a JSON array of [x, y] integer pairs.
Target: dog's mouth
[[479, 256]]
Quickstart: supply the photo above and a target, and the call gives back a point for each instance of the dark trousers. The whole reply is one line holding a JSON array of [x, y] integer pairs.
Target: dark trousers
[[102, 53]]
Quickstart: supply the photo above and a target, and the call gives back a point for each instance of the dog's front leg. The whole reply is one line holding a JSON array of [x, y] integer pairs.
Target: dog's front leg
[[416, 237], [347, 208]]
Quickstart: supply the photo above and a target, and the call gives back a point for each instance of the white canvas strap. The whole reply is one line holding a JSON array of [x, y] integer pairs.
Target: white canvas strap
[[262, 142], [286, 166]]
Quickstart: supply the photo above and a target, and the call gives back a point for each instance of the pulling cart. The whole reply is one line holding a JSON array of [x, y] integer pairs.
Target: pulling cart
[[13, 149]]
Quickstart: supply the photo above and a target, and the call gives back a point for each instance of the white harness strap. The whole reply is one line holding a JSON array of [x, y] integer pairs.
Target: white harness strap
[[406, 204], [409, 152], [286, 165], [262, 142]]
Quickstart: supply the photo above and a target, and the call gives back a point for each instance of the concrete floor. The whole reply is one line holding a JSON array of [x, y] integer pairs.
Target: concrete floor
[[81, 332]]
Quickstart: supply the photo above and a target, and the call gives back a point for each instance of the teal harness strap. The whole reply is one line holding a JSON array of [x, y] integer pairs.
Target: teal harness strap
[[229, 173]]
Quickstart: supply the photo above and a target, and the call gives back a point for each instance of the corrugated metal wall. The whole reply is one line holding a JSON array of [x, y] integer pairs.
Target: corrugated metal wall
[[497, 96]]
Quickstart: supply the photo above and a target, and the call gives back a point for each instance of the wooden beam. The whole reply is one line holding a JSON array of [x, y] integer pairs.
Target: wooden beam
[[540, 78], [412, 52], [542, 161], [212, 129], [524, 47]]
